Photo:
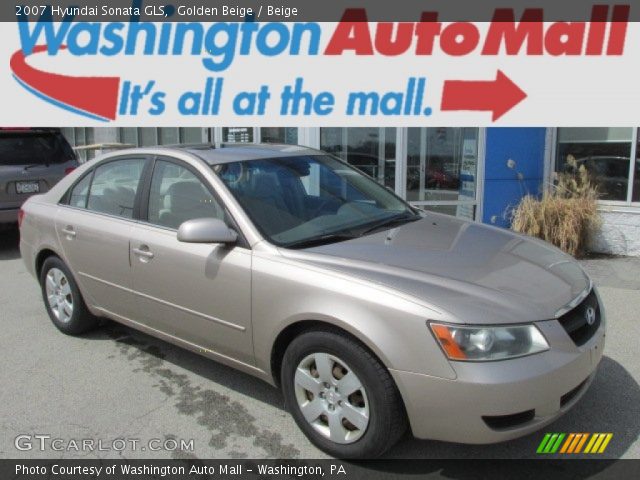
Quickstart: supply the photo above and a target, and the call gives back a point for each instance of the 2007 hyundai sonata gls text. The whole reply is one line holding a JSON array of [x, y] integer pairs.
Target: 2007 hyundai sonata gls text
[[292, 266]]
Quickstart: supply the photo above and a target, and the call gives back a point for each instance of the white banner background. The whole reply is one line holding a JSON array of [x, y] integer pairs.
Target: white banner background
[[562, 91]]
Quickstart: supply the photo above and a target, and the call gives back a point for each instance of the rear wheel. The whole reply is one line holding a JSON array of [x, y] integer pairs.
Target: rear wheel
[[341, 396], [63, 300]]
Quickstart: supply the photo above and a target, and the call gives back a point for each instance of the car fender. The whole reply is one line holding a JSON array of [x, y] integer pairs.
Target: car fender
[[285, 292]]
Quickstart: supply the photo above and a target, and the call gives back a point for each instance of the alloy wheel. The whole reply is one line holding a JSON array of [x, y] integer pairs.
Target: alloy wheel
[[331, 398], [59, 295]]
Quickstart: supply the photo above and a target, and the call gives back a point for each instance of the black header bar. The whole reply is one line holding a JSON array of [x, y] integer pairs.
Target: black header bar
[[306, 10]]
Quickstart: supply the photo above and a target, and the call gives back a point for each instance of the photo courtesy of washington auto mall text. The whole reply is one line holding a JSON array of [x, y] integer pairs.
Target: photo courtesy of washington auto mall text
[[163, 469], [338, 239]]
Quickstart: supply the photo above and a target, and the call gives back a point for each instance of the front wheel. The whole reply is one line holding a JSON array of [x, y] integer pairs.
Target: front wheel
[[341, 396]]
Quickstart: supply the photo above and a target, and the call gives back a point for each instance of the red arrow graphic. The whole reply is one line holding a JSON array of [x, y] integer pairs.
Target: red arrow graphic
[[97, 96], [498, 96]]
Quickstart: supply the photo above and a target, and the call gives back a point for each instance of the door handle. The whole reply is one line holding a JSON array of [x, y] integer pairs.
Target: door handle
[[69, 231], [143, 251]]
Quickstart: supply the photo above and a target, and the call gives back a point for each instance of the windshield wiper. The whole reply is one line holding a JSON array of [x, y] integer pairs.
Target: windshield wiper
[[320, 240], [326, 238], [34, 165], [387, 223]]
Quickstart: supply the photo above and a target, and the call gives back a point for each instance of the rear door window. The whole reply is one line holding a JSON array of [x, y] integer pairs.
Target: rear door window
[[79, 193], [34, 149], [115, 186]]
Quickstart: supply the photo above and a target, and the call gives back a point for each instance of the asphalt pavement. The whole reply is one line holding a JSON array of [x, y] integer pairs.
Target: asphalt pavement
[[116, 383]]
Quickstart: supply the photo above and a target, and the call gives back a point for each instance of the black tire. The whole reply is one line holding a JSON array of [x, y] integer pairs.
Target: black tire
[[387, 417], [81, 320]]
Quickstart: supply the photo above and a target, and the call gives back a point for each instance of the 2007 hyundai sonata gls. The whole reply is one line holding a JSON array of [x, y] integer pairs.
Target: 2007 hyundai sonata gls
[[289, 264]]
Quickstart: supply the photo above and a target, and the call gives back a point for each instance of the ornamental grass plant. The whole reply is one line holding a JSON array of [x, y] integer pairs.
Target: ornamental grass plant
[[566, 215]]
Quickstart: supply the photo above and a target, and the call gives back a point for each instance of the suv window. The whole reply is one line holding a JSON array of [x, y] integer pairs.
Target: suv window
[[177, 195], [34, 148], [114, 187]]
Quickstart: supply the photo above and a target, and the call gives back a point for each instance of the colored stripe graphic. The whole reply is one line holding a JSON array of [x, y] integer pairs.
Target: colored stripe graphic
[[550, 443], [574, 443], [567, 443], [599, 443], [555, 447], [583, 439], [603, 447], [94, 97], [591, 442], [543, 443]]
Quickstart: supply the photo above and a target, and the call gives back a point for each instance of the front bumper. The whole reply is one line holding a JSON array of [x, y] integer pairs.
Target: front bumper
[[524, 394]]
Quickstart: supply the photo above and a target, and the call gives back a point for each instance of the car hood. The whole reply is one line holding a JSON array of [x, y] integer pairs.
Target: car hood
[[469, 272]]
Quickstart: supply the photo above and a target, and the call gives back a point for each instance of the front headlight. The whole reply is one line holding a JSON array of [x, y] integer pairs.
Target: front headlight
[[478, 343]]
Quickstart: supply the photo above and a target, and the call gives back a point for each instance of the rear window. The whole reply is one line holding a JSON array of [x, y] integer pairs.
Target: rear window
[[32, 148]]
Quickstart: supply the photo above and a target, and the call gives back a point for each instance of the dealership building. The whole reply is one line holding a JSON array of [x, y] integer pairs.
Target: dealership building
[[474, 173]]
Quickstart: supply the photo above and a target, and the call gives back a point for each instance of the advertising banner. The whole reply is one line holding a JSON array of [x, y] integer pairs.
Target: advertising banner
[[158, 65]]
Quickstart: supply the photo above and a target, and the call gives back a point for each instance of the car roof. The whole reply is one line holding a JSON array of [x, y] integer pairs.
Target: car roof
[[215, 154], [13, 132]]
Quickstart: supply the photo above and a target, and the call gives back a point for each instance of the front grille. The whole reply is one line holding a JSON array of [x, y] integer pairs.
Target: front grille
[[503, 422], [575, 321]]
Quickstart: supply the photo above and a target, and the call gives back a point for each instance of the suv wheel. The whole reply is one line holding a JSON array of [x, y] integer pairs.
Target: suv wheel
[[63, 300], [341, 396]]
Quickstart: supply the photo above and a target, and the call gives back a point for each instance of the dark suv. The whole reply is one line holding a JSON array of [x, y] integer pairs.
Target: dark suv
[[32, 161]]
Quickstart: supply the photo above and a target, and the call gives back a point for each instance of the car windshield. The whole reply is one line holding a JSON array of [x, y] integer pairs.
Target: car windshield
[[308, 200], [33, 149]]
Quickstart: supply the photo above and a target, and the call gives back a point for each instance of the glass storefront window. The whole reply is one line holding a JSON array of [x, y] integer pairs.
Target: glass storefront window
[[168, 136], [279, 135], [372, 150], [150, 136], [237, 134], [605, 153], [191, 135], [129, 136], [147, 136], [442, 166]]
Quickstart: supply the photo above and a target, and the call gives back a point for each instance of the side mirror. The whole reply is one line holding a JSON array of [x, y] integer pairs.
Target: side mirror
[[206, 230]]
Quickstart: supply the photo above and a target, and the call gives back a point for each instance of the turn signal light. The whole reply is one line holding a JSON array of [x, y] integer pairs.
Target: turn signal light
[[449, 345], [20, 217], [68, 170]]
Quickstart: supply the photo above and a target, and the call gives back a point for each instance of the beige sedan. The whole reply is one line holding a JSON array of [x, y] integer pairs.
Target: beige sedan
[[292, 266]]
